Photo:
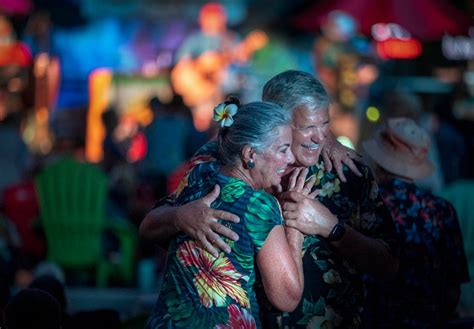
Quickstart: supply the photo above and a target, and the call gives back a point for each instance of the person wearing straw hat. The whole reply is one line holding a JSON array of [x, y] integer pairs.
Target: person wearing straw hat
[[433, 264]]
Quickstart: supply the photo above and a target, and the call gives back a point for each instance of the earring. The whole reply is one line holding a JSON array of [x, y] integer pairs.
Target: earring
[[250, 164]]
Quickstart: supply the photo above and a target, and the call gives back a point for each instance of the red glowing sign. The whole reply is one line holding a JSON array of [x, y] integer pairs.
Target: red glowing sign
[[399, 49]]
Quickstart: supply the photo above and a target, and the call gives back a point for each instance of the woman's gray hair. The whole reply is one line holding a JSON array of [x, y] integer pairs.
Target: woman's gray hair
[[291, 89], [255, 124]]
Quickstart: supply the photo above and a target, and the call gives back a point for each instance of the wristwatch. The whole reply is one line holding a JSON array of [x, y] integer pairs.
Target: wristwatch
[[337, 232]]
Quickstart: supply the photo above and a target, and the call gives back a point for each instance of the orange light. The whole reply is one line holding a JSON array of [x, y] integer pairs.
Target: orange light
[[99, 86], [41, 65], [399, 49], [42, 115]]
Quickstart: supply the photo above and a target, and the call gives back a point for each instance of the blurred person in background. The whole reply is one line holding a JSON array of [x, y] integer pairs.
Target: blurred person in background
[[14, 54], [18, 207], [210, 63], [433, 265], [53, 286], [452, 132], [67, 127], [16, 161], [460, 191], [343, 61], [461, 194], [32, 309], [121, 175], [49, 277], [169, 142], [401, 102], [114, 153], [201, 61]]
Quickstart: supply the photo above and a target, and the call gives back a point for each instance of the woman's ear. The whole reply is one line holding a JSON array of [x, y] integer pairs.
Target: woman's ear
[[248, 154]]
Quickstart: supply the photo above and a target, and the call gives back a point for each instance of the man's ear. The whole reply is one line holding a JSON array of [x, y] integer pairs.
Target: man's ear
[[248, 153]]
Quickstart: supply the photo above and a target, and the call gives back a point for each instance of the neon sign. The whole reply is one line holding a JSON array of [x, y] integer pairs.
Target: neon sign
[[459, 47], [394, 42], [399, 49], [382, 32]]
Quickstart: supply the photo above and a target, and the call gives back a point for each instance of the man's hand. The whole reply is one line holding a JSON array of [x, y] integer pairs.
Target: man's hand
[[334, 153], [307, 214], [199, 221]]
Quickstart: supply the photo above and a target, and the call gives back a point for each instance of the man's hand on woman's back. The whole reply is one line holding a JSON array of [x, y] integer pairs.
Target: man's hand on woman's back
[[199, 221]]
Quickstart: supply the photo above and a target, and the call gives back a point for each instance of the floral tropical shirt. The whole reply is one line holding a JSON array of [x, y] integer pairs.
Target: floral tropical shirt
[[334, 292], [200, 291], [432, 260]]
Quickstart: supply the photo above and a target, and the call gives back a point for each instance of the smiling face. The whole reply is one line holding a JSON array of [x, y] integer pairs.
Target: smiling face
[[271, 164], [310, 129]]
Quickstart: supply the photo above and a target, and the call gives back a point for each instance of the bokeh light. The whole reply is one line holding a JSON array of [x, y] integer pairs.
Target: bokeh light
[[373, 114], [346, 141]]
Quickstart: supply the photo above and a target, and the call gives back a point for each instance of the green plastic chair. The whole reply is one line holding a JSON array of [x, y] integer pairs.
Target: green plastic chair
[[72, 198]]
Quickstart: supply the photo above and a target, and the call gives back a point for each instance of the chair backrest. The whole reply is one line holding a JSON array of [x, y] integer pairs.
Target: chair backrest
[[72, 198]]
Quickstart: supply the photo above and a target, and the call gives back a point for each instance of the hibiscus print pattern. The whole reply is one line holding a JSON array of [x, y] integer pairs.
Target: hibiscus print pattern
[[238, 318], [216, 278]]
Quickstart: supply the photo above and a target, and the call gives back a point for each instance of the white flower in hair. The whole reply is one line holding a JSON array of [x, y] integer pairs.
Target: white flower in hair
[[223, 114]]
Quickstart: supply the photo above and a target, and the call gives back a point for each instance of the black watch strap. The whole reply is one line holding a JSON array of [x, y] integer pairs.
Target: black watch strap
[[337, 232]]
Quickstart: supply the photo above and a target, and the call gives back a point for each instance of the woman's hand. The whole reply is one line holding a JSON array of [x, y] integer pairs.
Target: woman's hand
[[298, 182]]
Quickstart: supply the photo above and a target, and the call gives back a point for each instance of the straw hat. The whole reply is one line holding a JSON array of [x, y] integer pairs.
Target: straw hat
[[401, 148]]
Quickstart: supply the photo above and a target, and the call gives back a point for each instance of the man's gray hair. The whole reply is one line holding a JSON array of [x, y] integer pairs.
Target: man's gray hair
[[255, 124], [291, 89]]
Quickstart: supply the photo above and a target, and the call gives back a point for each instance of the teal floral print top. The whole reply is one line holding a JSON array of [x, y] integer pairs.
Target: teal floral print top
[[200, 291]]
